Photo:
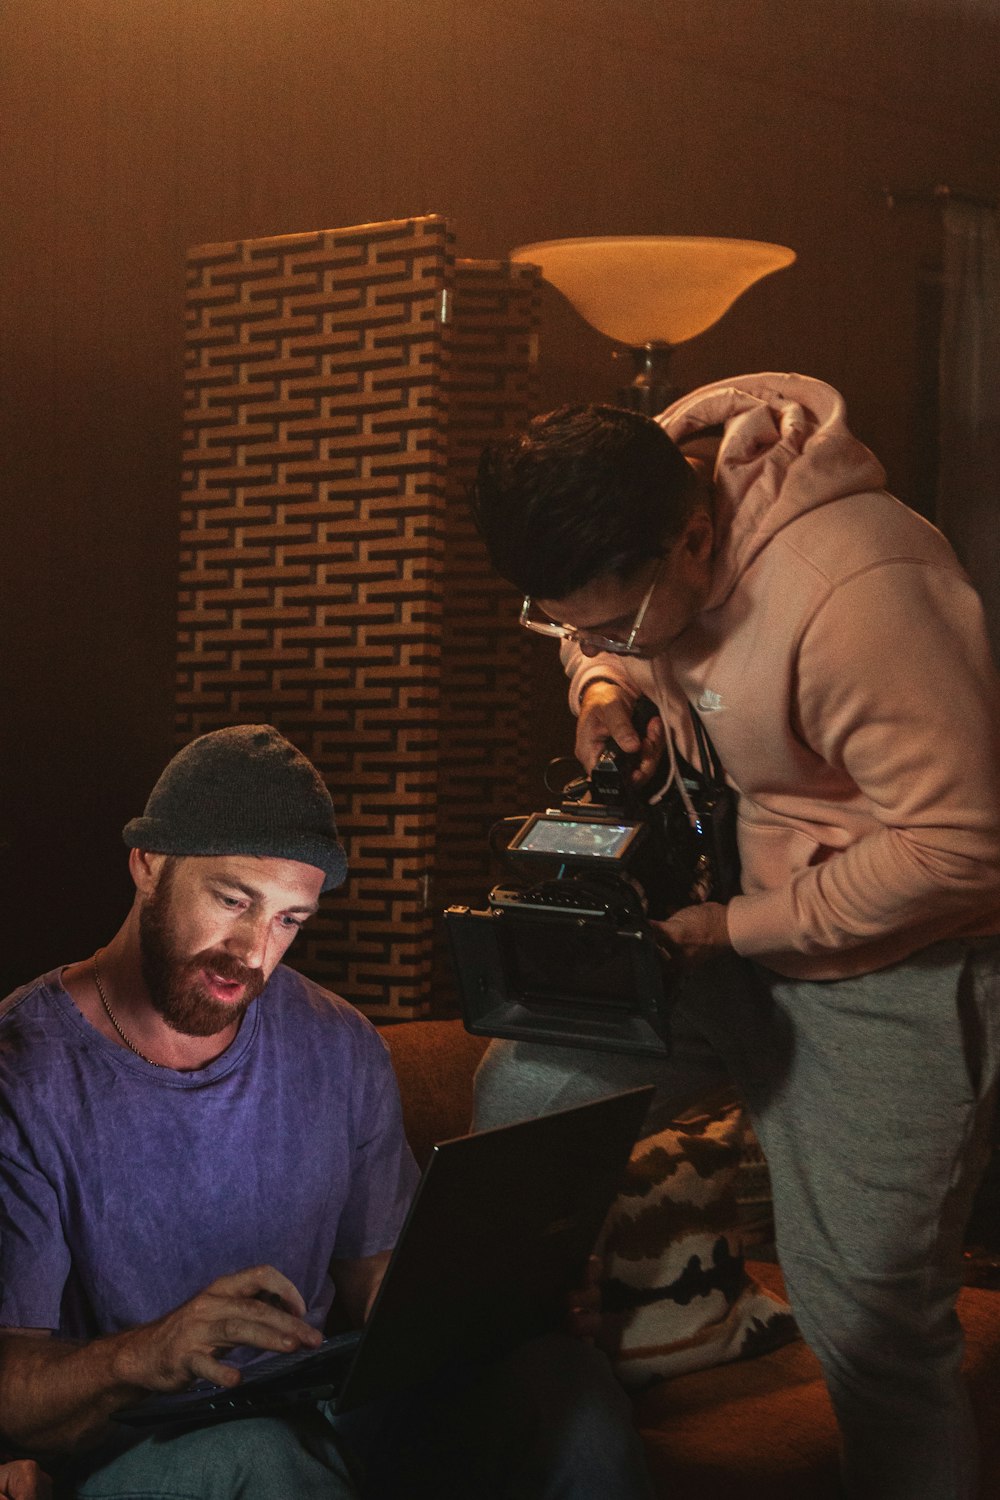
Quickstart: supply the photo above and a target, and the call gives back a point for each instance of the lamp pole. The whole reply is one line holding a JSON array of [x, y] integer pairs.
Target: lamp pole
[[651, 390]]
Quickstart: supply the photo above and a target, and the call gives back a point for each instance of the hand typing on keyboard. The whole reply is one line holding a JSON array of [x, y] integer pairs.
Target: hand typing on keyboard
[[258, 1307]]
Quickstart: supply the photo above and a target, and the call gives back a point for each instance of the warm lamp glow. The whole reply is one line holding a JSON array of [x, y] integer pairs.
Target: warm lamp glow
[[643, 289]]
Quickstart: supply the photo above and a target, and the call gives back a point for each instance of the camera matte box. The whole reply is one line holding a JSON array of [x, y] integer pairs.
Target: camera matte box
[[543, 975]]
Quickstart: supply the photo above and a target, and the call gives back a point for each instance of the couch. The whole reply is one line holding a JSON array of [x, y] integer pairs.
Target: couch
[[760, 1429]]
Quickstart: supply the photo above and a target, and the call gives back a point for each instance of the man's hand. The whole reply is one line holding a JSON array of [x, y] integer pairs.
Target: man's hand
[[59, 1396], [606, 714], [24, 1480], [259, 1307], [695, 932]]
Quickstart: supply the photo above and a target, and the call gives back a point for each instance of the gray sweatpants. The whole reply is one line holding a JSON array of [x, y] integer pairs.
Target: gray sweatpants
[[873, 1100]]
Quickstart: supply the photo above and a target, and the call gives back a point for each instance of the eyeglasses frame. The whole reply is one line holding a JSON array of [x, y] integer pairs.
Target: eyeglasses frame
[[603, 642]]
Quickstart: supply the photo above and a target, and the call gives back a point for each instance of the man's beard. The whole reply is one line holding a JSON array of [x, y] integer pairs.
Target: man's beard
[[175, 985]]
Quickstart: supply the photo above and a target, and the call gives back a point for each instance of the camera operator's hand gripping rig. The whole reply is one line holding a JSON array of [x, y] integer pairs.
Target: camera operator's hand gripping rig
[[564, 953]]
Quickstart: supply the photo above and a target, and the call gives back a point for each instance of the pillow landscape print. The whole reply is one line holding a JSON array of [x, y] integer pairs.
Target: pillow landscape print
[[676, 1292]]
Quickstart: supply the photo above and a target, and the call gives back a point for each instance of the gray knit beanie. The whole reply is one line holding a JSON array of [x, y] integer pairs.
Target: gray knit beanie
[[244, 790]]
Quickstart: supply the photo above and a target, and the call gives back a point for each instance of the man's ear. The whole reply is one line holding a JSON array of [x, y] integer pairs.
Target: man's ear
[[145, 868], [699, 534]]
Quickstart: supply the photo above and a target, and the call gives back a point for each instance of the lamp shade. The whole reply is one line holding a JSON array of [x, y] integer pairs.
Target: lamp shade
[[642, 289]]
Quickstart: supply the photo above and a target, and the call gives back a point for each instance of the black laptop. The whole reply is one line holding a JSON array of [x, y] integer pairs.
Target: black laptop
[[498, 1232]]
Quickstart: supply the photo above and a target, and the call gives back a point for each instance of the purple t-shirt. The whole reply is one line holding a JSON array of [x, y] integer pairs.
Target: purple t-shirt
[[127, 1188]]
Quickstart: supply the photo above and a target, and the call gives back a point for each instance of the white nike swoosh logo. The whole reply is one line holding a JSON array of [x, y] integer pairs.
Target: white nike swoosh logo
[[709, 702]]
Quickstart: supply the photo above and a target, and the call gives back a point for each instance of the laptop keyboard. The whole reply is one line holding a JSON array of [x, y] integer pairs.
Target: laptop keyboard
[[271, 1366], [320, 1372]]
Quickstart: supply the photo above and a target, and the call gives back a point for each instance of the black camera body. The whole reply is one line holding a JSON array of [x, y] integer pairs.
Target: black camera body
[[563, 952]]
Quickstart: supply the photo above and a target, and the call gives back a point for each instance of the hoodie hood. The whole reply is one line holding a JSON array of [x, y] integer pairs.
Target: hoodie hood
[[786, 450]]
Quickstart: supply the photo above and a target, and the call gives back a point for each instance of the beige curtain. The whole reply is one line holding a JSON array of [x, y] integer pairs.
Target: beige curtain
[[968, 507]]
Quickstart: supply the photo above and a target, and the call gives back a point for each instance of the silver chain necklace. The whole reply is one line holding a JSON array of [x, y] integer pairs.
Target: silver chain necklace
[[114, 1019]]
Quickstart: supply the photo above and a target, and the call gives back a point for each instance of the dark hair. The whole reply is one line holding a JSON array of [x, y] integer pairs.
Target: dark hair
[[586, 490]]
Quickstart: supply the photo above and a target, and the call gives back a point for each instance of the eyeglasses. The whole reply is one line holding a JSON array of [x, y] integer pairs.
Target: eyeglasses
[[624, 647]]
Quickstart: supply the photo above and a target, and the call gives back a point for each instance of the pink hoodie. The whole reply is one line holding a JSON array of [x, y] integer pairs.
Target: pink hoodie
[[842, 669]]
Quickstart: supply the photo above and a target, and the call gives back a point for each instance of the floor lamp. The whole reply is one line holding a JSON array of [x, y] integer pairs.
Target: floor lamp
[[652, 292]]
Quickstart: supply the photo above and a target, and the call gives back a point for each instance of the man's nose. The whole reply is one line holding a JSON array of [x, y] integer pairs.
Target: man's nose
[[249, 939]]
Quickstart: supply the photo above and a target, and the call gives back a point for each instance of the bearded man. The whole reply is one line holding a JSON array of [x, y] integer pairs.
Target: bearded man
[[199, 1148]]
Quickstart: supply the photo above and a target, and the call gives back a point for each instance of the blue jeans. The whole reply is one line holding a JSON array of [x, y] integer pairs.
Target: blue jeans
[[548, 1423], [257, 1458]]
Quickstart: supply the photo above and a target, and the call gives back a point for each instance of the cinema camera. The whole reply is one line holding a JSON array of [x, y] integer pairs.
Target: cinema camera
[[563, 953]]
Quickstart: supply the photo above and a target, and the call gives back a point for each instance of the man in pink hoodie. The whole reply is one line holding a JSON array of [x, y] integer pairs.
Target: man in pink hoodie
[[741, 555]]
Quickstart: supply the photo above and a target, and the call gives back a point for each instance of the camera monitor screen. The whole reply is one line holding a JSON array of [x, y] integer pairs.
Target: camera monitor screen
[[574, 838]]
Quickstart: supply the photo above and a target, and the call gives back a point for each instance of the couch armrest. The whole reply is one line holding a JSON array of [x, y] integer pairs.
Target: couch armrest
[[434, 1062]]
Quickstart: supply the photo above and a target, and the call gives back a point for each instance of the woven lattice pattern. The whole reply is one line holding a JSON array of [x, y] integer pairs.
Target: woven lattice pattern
[[339, 385]]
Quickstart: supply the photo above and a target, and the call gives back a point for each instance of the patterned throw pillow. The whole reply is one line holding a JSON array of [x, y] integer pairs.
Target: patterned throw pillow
[[676, 1293]]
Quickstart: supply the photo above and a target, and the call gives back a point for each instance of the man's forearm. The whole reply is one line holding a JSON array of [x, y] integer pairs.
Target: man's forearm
[[59, 1396], [56, 1396]]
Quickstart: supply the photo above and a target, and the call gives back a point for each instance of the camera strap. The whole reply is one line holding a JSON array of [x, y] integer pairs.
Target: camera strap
[[698, 807], [711, 766]]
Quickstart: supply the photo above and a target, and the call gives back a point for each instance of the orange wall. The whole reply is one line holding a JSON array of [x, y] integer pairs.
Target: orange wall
[[135, 128]]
